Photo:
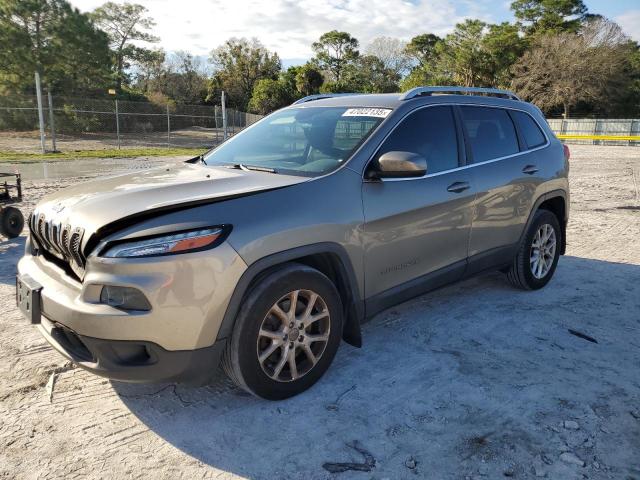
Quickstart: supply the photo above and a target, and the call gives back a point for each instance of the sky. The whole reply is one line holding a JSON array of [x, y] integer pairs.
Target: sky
[[290, 26]]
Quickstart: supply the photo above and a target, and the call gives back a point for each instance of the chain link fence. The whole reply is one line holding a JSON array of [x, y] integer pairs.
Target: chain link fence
[[94, 124]]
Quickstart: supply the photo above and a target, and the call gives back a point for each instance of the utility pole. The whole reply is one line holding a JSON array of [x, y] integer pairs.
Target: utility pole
[[168, 126], [117, 124], [40, 112], [51, 120], [224, 117]]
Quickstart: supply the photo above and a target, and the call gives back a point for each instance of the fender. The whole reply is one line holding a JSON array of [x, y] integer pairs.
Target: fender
[[354, 306], [563, 224]]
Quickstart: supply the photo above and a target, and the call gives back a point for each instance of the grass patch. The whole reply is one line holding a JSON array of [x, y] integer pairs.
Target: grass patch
[[19, 157]]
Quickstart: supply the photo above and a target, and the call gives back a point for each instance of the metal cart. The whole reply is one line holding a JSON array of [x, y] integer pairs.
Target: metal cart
[[11, 219]]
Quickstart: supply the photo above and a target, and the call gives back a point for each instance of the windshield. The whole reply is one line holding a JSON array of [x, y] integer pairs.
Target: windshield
[[306, 141]]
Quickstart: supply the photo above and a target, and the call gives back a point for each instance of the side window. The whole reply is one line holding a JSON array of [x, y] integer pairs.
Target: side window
[[491, 132], [529, 129], [430, 132]]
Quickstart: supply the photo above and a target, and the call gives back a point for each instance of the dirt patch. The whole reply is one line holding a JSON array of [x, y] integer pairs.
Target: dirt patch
[[476, 380]]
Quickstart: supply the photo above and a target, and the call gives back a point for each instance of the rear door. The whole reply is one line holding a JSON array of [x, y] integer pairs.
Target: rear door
[[417, 226], [506, 177]]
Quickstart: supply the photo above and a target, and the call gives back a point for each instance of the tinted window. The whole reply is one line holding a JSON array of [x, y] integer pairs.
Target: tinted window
[[529, 129], [491, 133], [430, 132]]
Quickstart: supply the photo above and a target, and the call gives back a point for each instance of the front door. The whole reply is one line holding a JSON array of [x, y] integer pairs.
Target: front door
[[418, 226]]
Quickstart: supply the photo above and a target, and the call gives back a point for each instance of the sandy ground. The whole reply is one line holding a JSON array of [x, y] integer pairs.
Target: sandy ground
[[476, 380]]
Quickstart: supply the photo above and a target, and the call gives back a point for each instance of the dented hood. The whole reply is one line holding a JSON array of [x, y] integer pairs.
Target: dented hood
[[95, 204]]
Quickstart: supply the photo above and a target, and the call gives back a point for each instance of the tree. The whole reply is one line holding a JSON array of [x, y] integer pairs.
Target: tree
[[308, 79], [51, 37], [549, 16], [124, 24], [568, 68], [369, 75], [392, 53], [422, 49], [334, 52], [182, 79], [269, 95], [462, 55], [238, 64]]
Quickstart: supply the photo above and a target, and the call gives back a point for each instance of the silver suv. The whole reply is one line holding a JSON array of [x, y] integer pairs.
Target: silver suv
[[267, 251]]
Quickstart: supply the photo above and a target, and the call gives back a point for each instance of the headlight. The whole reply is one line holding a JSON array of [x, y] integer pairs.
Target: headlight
[[193, 240]]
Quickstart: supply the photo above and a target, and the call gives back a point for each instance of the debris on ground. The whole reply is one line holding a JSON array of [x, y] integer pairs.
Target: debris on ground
[[582, 335], [367, 466]]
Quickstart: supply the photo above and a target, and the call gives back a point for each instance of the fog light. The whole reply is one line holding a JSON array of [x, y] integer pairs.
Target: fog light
[[124, 298]]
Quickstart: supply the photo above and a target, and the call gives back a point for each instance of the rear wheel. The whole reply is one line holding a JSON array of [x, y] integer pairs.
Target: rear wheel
[[537, 257], [286, 333], [11, 222]]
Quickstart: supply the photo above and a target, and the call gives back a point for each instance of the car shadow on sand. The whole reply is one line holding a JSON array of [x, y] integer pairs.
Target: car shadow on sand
[[10, 253], [472, 371]]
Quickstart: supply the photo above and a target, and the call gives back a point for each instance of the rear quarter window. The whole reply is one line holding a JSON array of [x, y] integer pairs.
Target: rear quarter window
[[490, 131], [529, 129]]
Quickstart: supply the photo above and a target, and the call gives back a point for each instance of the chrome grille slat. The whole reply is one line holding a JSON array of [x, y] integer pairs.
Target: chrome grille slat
[[61, 241]]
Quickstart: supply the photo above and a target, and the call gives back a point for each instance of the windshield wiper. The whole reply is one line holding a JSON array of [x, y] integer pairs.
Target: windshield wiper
[[242, 166]]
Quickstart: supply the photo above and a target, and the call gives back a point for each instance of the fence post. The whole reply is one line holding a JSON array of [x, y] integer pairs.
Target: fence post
[[117, 124], [224, 117], [40, 113], [51, 120], [168, 127]]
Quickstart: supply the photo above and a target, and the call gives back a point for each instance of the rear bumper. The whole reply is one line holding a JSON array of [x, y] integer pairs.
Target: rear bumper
[[133, 361]]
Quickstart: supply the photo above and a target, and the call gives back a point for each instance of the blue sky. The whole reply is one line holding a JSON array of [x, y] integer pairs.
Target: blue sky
[[290, 26]]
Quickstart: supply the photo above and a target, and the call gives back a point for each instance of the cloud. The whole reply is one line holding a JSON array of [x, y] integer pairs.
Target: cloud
[[289, 26], [630, 23]]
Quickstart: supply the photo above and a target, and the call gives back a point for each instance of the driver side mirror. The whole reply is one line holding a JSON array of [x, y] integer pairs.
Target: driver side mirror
[[398, 165]]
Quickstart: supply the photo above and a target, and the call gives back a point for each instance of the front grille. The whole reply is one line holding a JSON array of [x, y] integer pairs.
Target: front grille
[[60, 241]]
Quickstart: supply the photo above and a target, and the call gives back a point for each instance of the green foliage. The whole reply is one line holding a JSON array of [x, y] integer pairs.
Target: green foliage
[[269, 95], [422, 49], [51, 37], [335, 51], [239, 63], [308, 79], [549, 16], [124, 24]]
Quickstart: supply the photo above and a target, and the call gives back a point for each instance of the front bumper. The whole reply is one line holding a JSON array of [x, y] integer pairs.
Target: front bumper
[[175, 340], [133, 361]]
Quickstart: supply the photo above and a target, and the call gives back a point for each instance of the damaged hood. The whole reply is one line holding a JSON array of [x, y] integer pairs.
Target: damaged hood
[[92, 205]]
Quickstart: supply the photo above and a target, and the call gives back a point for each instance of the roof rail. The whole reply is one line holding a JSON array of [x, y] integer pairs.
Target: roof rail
[[428, 91], [320, 96]]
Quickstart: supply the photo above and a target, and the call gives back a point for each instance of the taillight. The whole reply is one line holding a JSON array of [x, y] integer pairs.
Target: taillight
[[567, 152]]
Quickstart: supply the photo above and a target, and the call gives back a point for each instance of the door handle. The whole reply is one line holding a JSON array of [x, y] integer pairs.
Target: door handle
[[458, 187], [530, 169]]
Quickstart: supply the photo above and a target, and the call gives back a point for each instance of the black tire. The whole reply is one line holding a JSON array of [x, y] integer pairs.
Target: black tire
[[11, 222], [240, 360], [520, 273]]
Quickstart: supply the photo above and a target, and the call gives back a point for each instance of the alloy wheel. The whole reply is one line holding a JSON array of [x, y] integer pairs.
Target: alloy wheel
[[543, 251], [293, 335]]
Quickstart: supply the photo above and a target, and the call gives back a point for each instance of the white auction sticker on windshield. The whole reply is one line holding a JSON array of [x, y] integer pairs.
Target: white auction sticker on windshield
[[367, 112]]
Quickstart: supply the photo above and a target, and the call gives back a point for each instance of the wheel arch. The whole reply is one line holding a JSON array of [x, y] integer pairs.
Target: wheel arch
[[555, 202], [329, 258]]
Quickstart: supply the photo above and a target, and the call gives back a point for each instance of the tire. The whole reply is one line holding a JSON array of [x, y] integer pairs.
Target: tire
[[11, 222], [526, 274], [258, 331]]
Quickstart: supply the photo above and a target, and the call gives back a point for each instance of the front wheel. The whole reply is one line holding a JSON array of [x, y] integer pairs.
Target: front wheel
[[286, 333], [537, 257]]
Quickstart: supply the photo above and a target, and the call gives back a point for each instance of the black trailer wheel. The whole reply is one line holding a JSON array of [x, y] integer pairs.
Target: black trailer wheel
[[11, 222]]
